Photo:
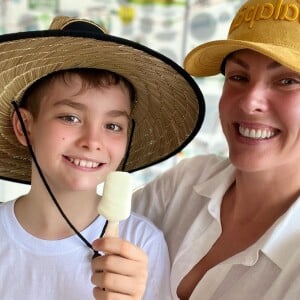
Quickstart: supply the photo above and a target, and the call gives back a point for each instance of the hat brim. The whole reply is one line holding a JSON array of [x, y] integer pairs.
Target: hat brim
[[170, 107], [206, 59]]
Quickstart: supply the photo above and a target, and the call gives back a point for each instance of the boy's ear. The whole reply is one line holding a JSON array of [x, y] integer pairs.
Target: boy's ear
[[27, 119]]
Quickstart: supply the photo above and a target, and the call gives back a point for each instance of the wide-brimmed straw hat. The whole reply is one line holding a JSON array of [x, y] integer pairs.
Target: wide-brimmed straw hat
[[270, 27], [169, 109]]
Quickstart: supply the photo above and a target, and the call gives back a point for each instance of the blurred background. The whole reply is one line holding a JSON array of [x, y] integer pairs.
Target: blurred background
[[170, 27]]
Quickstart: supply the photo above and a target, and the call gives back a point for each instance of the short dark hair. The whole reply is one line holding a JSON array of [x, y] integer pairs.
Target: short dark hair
[[90, 78]]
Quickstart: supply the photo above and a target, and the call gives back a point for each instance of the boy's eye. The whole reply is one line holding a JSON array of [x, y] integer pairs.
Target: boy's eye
[[70, 119], [113, 127]]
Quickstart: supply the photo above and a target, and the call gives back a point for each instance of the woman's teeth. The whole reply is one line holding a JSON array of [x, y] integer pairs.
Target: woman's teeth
[[84, 163], [256, 133]]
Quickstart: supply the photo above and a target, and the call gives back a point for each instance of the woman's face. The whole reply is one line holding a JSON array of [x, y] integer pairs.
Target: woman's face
[[260, 112]]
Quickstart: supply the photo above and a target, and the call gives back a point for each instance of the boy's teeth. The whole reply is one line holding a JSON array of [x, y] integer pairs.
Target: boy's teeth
[[84, 163], [256, 133]]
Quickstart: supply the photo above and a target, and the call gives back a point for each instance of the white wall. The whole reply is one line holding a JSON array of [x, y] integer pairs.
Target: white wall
[[10, 190]]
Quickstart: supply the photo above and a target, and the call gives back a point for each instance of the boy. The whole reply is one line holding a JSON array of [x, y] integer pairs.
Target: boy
[[88, 104]]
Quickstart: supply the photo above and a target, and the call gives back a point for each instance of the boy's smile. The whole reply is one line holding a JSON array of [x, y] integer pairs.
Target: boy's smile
[[83, 163]]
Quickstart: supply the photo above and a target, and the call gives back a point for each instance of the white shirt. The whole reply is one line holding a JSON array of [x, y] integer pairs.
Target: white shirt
[[185, 203], [35, 269]]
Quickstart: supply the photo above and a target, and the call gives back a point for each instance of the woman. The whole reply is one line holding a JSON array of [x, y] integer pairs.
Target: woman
[[232, 225]]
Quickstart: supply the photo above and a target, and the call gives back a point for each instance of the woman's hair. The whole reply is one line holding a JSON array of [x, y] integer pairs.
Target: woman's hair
[[95, 78]]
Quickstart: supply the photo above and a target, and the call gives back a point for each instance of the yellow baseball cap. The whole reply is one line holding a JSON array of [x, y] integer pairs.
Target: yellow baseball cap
[[270, 27]]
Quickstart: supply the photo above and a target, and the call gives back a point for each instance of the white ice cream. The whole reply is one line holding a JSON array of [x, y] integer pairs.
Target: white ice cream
[[115, 204]]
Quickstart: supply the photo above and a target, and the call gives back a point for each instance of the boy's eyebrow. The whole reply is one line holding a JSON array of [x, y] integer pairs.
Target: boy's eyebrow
[[70, 103], [118, 113], [81, 106]]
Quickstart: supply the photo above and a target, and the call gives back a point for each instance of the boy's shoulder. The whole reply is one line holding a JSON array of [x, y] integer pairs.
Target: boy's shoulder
[[5, 203], [140, 221], [138, 227]]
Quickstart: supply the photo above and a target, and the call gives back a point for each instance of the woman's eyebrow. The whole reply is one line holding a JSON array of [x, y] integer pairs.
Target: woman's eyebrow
[[274, 65], [238, 61], [244, 64]]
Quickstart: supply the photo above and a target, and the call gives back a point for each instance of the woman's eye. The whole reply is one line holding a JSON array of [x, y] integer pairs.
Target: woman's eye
[[237, 78], [70, 119], [289, 81], [113, 127]]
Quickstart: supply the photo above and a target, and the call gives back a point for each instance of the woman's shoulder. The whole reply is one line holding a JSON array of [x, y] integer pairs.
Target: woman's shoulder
[[210, 161], [201, 166]]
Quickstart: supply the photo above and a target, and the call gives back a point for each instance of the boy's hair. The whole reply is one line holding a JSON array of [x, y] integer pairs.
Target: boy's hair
[[98, 78]]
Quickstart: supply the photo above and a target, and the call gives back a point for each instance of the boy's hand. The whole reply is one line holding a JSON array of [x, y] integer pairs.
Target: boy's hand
[[122, 274]]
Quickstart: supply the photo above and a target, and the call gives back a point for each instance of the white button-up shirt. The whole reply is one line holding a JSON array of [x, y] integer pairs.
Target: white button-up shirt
[[185, 203]]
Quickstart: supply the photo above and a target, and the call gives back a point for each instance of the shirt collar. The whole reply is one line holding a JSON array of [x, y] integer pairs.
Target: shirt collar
[[215, 186], [279, 242], [284, 236]]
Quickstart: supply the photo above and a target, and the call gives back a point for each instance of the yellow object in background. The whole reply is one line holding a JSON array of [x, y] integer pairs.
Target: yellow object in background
[[158, 1], [126, 13]]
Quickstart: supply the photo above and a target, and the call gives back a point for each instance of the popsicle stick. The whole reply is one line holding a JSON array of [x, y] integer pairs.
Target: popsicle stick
[[112, 229]]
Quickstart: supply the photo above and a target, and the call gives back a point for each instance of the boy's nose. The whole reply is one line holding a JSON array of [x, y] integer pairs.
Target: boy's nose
[[91, 138]]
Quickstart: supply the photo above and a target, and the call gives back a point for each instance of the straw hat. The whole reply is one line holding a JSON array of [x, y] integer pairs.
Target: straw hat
[[271, 27], [169, 109]]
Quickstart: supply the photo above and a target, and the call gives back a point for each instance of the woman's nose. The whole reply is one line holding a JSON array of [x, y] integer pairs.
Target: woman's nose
[[255, 99]]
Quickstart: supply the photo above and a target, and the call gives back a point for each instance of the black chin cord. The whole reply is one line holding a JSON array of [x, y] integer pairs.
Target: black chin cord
[[14, 103], [85, 241], [130, 138]]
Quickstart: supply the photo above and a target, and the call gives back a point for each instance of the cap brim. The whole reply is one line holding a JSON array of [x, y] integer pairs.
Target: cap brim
[[206, 59]]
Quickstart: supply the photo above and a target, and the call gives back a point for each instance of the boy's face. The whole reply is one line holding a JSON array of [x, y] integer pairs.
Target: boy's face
[[80, 136]]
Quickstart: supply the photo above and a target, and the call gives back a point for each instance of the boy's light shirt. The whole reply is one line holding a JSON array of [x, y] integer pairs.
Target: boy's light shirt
[[61, 269]]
